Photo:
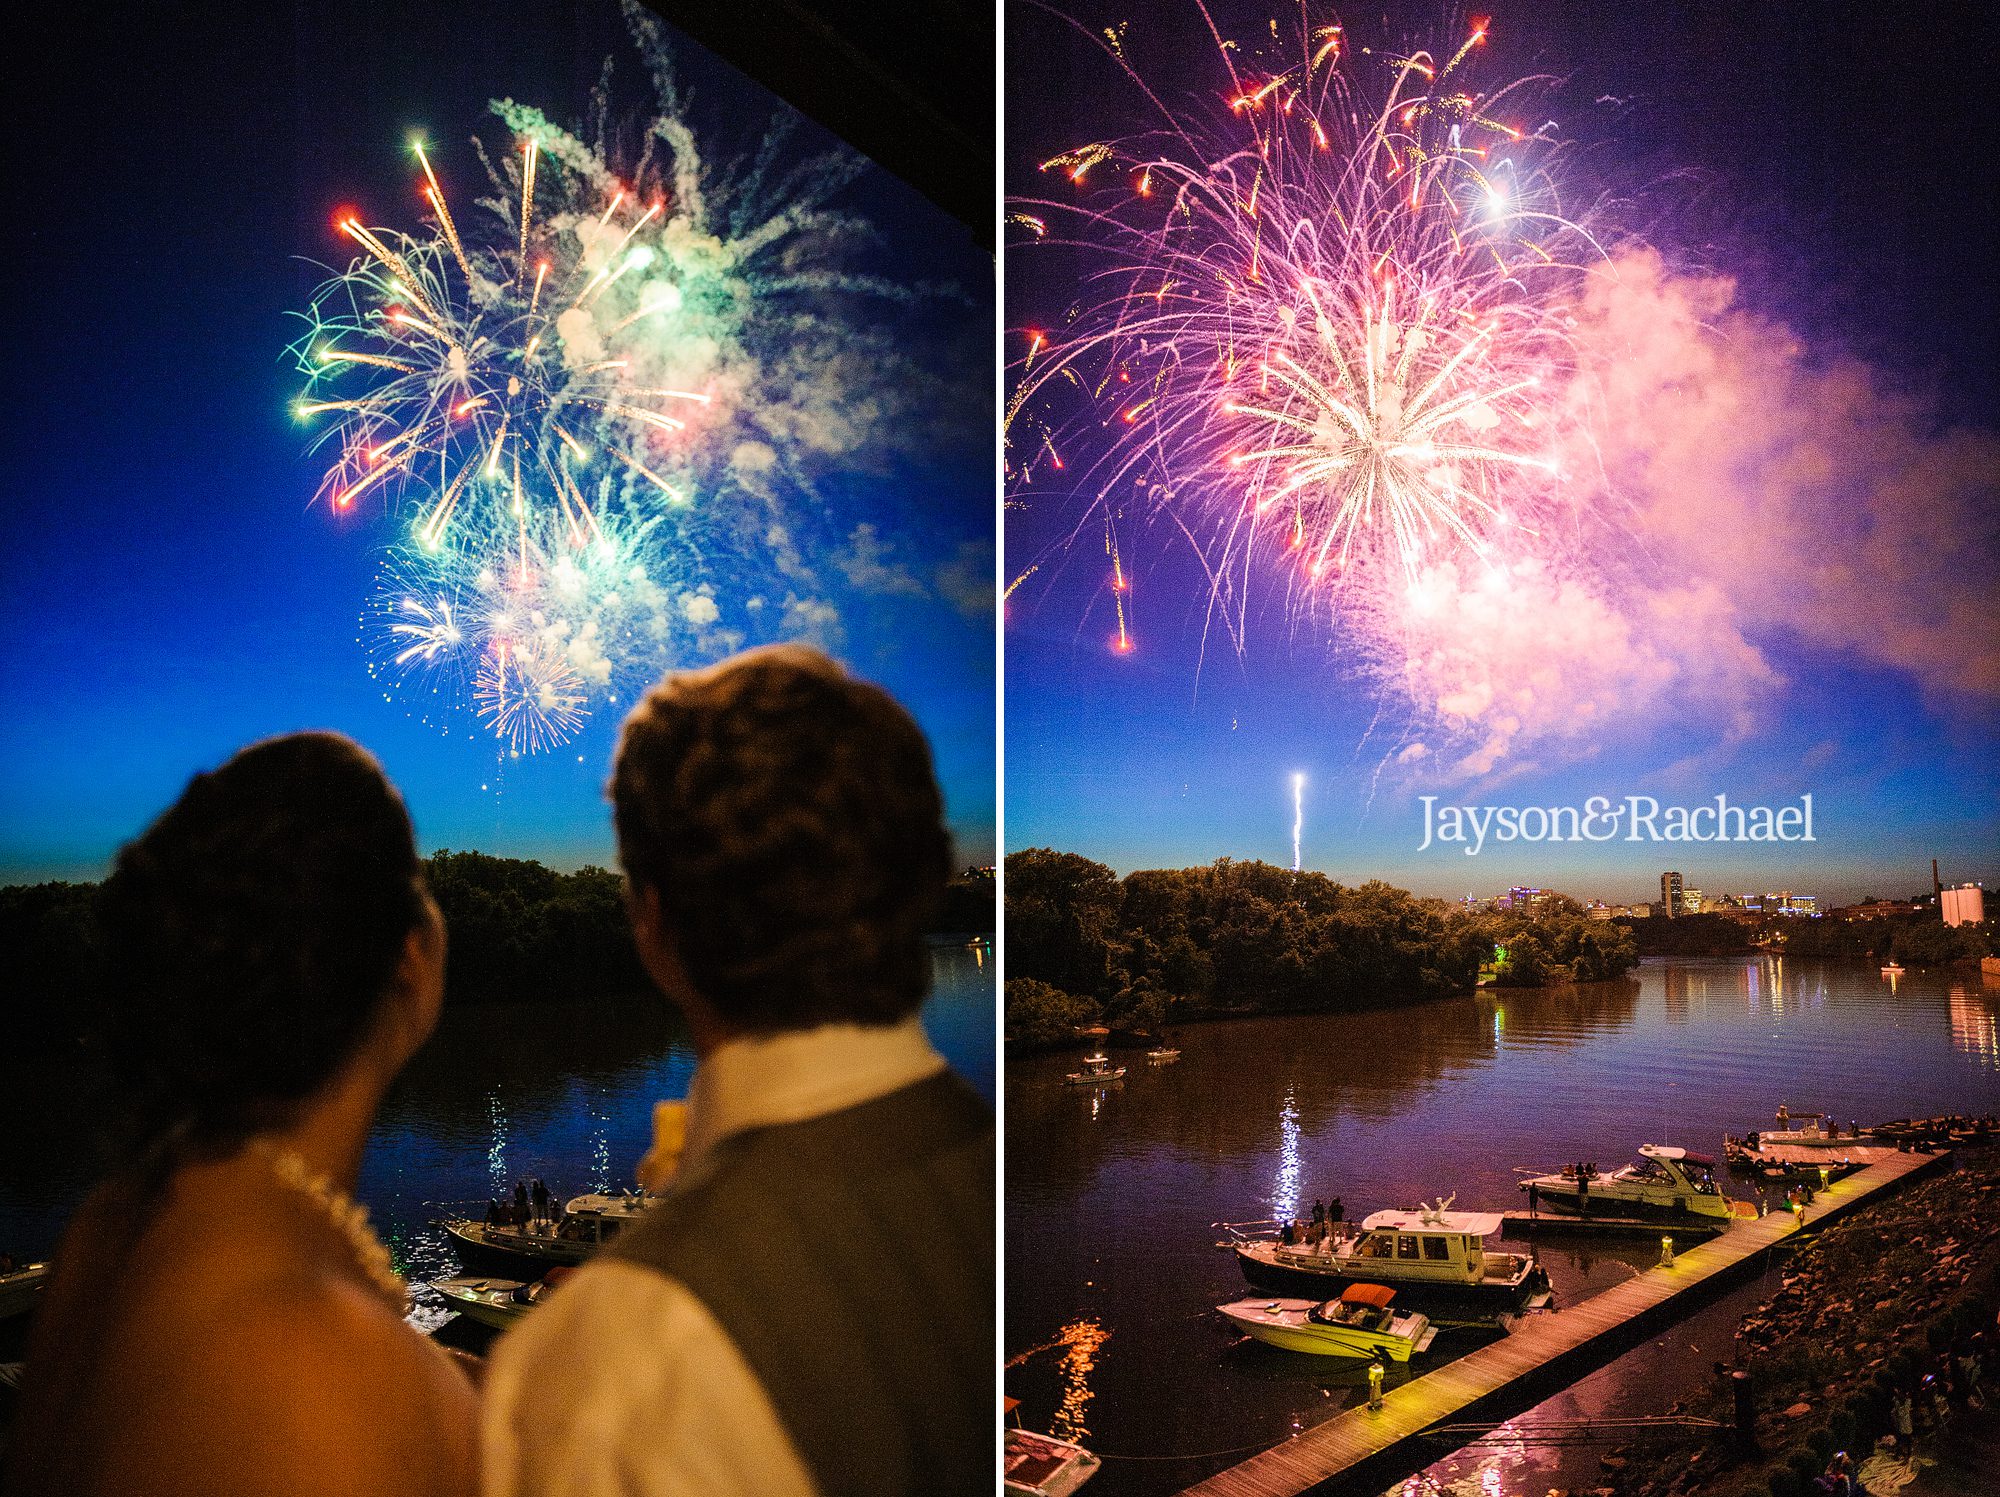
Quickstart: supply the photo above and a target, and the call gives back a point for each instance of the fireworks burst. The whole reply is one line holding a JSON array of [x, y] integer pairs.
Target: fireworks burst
[[1329, 319], [592, 394]]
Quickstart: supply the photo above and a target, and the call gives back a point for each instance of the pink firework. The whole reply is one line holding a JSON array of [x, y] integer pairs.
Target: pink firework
[[1328, 335]]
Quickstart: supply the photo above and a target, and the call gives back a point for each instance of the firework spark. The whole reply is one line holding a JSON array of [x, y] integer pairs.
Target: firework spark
[[1298, 816], [592, 391], [1335, 317]]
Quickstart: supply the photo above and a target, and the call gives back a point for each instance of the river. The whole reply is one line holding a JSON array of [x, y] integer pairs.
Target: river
[[561, 1092], [1113, 1193]]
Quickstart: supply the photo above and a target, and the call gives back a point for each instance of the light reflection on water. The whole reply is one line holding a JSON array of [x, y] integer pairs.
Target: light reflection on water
[[1110, 1202], [500, 1093]]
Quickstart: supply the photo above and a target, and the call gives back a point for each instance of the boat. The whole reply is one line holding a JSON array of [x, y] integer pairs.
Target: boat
[[497, 1302], [1894, 969], [1357, 1324], [20, 1288], [1097, 1069], [1044, 1465], [1803, 1130], [1163, 1055], [1667, 1183], [1433, 1251], [588, 1222]]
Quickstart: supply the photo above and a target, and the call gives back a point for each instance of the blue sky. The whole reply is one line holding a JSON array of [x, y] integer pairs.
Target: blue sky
[[1799, 601], [172, 594]]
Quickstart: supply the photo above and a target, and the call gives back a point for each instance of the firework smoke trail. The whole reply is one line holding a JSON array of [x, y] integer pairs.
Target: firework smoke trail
[[1298, 815], [1327, 334], [593, 393]]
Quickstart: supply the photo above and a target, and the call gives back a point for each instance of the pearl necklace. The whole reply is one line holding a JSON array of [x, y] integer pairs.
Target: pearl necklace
[[346, 1216]]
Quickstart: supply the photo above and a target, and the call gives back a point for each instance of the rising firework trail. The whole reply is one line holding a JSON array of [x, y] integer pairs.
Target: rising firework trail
[[1326, 329], [1298, 815]]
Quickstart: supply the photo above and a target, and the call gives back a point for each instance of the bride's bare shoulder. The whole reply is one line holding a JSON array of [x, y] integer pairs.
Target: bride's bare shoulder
[[329, 1391]]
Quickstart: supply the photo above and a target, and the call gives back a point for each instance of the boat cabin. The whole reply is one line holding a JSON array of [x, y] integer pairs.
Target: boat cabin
[[600, 1218], [1445, 1246]]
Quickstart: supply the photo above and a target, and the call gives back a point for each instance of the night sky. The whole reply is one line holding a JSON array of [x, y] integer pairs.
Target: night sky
[[1821, 160], [171, 592]]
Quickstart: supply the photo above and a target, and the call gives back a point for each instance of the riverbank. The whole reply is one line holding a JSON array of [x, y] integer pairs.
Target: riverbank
[[1879, 1307]]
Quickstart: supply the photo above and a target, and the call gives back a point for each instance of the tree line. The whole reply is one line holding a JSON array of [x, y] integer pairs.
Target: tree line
[[1162, 945], [519, 931]]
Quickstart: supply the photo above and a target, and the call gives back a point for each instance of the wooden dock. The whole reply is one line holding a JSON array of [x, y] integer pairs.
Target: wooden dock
[[1364, 1450], [1526, 1224]]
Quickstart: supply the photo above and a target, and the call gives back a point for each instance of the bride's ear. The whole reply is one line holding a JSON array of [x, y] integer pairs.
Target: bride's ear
[[419, 994]]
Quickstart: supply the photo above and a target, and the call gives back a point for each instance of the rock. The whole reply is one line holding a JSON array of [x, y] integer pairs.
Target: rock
[[1798, 1411], [1613, 1463]]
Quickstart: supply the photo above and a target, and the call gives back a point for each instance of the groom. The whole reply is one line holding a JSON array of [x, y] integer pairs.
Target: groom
[[810, 1308]]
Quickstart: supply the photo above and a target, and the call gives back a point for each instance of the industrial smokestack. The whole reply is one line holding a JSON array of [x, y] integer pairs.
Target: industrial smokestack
[[1937, 888]]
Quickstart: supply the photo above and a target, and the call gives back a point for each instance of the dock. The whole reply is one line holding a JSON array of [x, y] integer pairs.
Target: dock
[[1529, 1224], [1364, 1450]]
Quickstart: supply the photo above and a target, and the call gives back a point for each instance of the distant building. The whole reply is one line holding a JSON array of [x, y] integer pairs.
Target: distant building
[[1875, 909], [1670, 894], [1964, 905], [1788, 903], [1691, 901]]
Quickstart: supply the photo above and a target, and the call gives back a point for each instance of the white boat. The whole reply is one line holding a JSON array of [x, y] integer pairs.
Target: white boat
[[1358, 1324], [1044, 1465], [1097, 1069], [588, 1222], [1894, 969], [1433, 1251], [1810, 1130], [1162, 1055], [20, 1288], [1668, 1183], [496, 1302]]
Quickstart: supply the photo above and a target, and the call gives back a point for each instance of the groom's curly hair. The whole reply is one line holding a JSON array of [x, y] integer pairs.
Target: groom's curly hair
[[789, 818]]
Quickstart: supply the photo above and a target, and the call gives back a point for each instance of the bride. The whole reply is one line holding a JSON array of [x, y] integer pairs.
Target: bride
[[221, 1318]]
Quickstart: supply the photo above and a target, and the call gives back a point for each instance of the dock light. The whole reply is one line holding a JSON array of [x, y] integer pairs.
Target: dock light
[[1376, 1372], [1666, 1252]]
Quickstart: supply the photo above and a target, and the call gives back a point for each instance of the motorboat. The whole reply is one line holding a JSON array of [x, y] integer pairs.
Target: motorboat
[[1044, 1465], [1809, 1130], [20, 1288], [1163, 1055], [1097, 1070], [1359, 1323], [1894, 969], [1431, 1251], [587, 1223], [1667, 1183], [497, 1302]]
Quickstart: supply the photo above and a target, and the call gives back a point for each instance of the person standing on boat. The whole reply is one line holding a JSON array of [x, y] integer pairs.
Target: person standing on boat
[[540, 1195], [521, 1217], [782, 837]]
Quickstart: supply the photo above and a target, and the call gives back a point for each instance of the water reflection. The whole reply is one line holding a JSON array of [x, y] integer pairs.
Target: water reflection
[[1113, 1221], [500, 1093], [1285, 1193], [1974, 1027]]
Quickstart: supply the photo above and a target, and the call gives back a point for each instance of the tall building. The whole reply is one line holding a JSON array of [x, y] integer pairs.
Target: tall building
[[1670, 894], [1964, 904]]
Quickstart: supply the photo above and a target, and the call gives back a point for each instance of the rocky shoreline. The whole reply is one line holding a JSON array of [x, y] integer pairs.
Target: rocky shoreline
[[1875, 1313]]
